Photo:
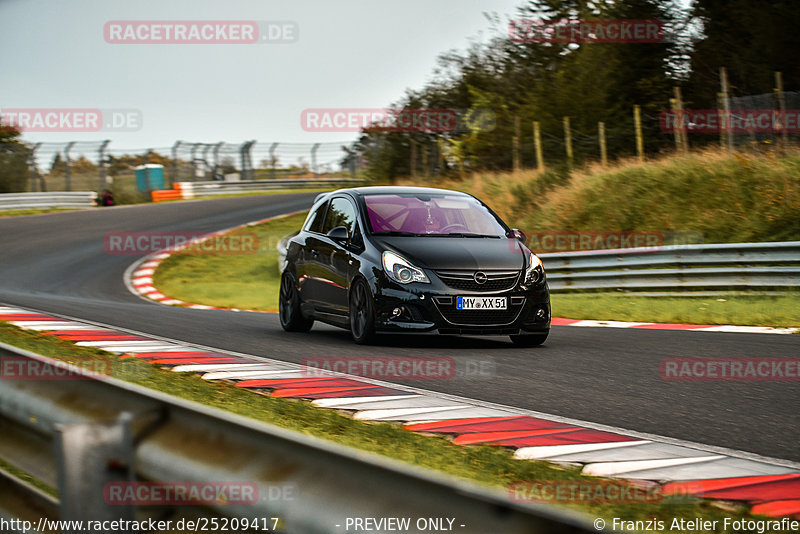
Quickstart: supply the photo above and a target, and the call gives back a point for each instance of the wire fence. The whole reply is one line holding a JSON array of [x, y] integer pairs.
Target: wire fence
[[97, 166]]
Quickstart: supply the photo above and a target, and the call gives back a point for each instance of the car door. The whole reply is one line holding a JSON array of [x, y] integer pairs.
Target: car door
[[333, 258], [307, 260]]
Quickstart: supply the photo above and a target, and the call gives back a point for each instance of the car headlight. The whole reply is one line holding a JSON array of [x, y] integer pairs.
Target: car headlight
[[535, 271], [401, 270]]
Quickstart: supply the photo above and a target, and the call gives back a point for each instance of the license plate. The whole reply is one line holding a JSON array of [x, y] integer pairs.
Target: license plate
[[480, 303]]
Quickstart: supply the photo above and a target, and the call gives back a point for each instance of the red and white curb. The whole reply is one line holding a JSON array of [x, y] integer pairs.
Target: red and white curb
[[138, 278], [771, 486], [672, 326]]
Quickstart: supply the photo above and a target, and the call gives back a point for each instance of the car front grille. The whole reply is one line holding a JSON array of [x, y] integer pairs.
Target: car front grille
[[465, 280], [447, 308]]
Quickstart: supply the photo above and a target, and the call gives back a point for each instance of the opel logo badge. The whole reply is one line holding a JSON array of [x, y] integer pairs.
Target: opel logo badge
[[480, 277]]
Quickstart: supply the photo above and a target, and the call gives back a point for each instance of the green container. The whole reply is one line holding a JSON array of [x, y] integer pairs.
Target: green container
[[150, 177]]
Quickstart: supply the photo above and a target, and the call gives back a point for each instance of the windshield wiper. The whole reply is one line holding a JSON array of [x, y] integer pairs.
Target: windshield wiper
[[399, 233], [462, 234]]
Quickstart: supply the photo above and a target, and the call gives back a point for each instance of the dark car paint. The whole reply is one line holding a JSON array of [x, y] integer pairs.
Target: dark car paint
[[323, 279]]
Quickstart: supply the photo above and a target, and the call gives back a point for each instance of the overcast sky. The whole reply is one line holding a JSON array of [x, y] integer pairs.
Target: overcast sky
[[348, 54]]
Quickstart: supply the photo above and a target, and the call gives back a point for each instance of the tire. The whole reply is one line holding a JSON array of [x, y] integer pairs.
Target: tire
[[362, 313], [529, 340], [292, 319]]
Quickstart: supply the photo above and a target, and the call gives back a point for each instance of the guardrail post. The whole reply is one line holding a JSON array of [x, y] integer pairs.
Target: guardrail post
[[67, 174], [90, 456]]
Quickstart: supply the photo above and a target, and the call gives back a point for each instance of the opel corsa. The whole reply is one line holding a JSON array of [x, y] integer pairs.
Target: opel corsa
[[412, 259]]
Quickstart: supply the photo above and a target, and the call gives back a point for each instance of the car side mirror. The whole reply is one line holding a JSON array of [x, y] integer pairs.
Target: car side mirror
[[518, 234], [339, 234]]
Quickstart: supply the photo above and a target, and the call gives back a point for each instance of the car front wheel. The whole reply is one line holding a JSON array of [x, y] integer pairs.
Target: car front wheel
[[292, 319], [362, 313]]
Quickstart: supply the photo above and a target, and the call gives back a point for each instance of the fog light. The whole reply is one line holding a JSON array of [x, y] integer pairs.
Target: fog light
[[397, 312], [541, 314]]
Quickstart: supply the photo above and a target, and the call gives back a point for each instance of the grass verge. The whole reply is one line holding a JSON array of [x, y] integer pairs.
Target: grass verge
[[21, 213], [491, 466], [246, 281]]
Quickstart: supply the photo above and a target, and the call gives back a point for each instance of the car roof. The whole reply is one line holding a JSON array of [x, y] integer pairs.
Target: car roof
[[389, 190]]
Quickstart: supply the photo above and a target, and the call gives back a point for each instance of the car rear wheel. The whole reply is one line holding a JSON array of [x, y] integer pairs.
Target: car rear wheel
[[362, 313], [292, 319], [529, 340]]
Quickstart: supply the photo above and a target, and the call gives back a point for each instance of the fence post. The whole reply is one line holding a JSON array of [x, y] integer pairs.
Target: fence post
[[601, 134], [67, 171], [726, 104], [175, 147], [246, 160], [537, 141], [782, 107], [515, 161], [442, 159], [723, 128], [215, 168], [568, 141], [426, 171], [101, 165], [413, 162], [314, 149], [682, 133], [34, 168], [272, 162], [637, 124]]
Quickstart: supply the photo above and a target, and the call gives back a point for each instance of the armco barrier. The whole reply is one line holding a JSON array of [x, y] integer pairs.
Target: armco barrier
[[773, 265], [80, 435], [64, 199], [189, 190], [193, 189], [731, 265]]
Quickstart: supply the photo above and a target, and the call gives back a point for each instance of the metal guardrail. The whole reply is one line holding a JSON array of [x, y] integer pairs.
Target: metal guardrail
[[78, 435], [63, 199], [731, 265], [195, 189]]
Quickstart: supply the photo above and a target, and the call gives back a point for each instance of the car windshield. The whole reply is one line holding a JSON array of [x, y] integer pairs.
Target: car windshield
[[430, 215]]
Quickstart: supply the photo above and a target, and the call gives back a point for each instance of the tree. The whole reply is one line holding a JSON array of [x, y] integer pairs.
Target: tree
[[14, 159], [751, 39]]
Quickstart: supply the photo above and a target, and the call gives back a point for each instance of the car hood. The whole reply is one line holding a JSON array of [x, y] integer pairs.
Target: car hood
[[457, 252]]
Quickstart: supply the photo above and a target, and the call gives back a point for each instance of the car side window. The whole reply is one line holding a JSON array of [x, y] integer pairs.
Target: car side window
[[315, 221], [341, 213]]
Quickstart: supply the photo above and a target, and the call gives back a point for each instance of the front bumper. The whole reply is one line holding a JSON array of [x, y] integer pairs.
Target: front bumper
[[431, 308]]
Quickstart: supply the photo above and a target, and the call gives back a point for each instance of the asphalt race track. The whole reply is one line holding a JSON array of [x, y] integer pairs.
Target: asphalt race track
[[56, 263]]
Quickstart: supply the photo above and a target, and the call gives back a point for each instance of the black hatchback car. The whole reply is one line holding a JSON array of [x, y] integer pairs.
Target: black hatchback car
[[412, 259]]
